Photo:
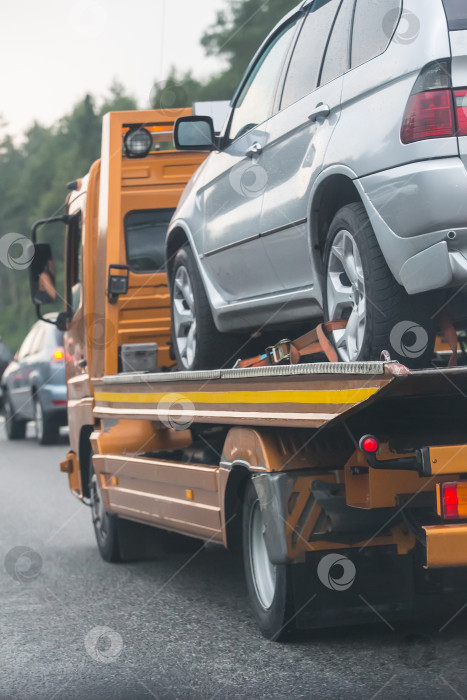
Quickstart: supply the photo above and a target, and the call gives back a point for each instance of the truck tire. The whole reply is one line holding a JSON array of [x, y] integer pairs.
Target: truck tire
[[119, 540], [15, 429], [47, 428], [105, 524], [360, 288], [269, 585], [197, 343]]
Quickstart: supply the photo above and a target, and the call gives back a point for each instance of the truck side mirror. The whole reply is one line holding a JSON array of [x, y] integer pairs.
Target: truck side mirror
[[118, 282], [62, 321], [42, 275], [194, 134]]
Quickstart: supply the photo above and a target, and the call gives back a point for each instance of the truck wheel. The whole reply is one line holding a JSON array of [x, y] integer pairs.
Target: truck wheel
[[360, 288], [105, 524], [120, 540], [15, 429], [269, 585], [47, 429], [196, 341]]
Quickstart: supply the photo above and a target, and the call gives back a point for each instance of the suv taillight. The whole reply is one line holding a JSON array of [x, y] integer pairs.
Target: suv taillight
[[460, 97], [429, 115], [58, 355], [434, 109]]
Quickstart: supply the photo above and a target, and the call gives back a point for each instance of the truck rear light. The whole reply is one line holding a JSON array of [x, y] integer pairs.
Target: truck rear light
[[58, 354], [452, 500], [368, 443], [460, 97], [428, 115]]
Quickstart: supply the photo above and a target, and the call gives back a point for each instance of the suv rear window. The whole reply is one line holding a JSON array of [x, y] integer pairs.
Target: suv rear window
[[59, 337], [456, 11], [373, 27]]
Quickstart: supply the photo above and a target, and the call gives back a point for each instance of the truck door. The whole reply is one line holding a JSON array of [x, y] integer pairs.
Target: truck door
[[75, 338]]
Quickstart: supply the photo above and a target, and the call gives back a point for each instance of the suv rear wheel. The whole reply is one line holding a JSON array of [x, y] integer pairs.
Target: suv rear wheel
[[360, 288]]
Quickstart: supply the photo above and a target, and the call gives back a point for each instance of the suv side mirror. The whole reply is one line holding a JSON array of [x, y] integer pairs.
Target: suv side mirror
[[42, 275], [195, 134]]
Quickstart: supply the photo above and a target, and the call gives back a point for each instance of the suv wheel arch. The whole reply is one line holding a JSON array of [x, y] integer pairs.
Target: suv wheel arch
[[176, 240], [335, 192]]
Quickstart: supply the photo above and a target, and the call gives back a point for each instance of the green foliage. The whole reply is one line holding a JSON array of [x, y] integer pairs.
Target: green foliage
[[33, 174], [234, 38], [33, 177]]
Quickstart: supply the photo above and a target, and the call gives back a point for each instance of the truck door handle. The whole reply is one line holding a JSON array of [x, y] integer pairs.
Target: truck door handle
[[320, 110], [255, 150]]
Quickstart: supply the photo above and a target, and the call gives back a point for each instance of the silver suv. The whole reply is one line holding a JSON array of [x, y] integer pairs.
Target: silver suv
[[337, 189]]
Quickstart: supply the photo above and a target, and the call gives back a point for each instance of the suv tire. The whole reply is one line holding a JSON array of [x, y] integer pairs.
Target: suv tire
[[15, 429], [47, 428], [197, 343], [360, 287]]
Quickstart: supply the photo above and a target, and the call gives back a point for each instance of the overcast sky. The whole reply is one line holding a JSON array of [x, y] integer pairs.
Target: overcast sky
[[52, 52]]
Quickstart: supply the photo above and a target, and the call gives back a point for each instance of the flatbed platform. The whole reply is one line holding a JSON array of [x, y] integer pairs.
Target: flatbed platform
[[293, 396]]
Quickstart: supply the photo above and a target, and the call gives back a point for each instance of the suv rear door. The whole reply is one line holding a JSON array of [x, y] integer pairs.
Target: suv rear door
[[308, 109], [456, 13], [18, 379]]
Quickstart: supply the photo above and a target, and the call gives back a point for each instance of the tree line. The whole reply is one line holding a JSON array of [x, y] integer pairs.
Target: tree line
[[34, 172]]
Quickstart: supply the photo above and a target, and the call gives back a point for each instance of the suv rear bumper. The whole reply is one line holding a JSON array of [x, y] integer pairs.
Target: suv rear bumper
[[53, 398], [419, 215]]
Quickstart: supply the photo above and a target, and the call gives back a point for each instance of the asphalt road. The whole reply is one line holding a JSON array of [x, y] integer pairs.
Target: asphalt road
[[75, 627]]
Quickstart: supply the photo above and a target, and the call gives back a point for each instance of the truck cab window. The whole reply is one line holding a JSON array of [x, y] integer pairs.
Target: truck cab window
[[145, 233]]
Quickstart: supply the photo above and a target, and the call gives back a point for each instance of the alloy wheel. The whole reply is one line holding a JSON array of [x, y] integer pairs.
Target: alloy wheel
[[346, 299], [184, 317]]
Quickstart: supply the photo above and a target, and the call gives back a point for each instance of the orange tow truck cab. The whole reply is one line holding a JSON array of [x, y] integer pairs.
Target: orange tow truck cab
[[116, 219], [344, 483]]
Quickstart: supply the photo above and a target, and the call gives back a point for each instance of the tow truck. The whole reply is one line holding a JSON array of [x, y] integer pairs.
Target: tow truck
[[344, 484]]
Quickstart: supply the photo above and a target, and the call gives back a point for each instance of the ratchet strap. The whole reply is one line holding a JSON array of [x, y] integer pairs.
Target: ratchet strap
[[450, 336], [292, 351]]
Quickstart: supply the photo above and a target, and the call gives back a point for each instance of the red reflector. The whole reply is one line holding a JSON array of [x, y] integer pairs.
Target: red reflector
[[461, 106], [369, 444], [428, 115], [59, 403]]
